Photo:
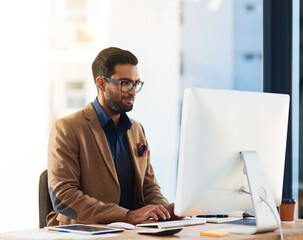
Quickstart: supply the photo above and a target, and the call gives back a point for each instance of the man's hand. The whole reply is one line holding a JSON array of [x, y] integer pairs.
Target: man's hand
[[170, 208], [142, 214]]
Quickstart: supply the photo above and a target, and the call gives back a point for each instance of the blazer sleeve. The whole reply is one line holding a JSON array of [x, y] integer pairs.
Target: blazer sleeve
[[151, 189], [64, 181]]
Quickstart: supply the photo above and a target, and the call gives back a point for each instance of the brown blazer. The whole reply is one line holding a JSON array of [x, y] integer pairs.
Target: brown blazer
[[82, 178]]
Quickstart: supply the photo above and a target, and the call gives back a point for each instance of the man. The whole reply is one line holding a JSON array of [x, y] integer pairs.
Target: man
[[98, 159]]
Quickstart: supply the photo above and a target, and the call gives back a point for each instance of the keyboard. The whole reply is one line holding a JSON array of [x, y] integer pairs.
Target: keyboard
[[174, 223]]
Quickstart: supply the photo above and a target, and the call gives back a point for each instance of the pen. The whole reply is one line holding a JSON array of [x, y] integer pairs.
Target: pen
[[212, 216], [55, 230]]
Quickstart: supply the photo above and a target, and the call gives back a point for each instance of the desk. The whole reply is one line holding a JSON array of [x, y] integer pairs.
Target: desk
[[290, 232]]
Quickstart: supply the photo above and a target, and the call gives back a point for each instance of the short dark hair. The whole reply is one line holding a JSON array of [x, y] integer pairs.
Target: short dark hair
[[105, 62]]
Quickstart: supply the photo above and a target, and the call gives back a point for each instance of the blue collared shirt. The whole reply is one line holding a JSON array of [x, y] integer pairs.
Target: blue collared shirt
[[120, 152]]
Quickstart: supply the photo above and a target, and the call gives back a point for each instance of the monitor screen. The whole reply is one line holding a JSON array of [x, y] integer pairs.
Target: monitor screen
[[216, 126]]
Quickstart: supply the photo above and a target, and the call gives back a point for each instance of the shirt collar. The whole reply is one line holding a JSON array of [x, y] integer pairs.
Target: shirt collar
[[104, 118], [102, 115]]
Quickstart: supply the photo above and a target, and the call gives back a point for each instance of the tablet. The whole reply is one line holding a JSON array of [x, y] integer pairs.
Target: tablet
[[83, 229]]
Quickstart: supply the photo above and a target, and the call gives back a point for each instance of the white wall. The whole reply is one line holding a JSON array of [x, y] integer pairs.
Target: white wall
[[248, 40], [150, 29], [23, 109], [222, 44], [208, 44]]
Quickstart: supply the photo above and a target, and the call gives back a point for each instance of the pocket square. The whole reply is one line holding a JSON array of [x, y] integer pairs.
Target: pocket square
[[142, 149]]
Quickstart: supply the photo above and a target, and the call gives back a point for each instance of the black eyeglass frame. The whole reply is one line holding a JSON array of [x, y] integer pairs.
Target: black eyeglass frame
[[121, 82]]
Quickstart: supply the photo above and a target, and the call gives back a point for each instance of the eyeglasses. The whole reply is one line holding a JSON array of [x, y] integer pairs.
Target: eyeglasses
[[127, 85]]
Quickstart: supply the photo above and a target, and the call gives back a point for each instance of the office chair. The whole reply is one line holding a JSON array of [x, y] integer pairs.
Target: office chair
[[45, 204]]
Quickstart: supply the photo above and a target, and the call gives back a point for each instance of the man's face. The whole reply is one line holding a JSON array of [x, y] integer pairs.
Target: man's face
[[119, 102]]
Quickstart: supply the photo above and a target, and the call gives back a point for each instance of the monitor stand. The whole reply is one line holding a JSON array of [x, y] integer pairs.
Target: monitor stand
[[267, 217]]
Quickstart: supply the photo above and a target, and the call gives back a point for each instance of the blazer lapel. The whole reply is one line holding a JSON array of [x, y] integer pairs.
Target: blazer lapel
[[139, 167], [134, 152], [101, 139]]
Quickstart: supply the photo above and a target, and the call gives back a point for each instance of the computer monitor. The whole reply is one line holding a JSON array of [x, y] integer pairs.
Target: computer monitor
[[216, 126]]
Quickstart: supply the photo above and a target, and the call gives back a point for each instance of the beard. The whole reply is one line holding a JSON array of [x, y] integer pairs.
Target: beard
[[116, 105]]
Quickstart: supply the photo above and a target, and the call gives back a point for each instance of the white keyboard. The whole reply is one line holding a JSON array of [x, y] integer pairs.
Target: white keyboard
[[175, 223]]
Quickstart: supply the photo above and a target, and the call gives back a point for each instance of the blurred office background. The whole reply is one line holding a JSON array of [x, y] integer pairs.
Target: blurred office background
[[47, 47]]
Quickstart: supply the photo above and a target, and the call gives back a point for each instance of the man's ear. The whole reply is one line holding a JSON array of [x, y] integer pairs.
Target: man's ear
[[100, 82]]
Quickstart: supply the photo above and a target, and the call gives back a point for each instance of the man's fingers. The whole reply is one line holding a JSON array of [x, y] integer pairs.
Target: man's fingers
[[153, 215], [161, 212], [164, 210], [142, 214]]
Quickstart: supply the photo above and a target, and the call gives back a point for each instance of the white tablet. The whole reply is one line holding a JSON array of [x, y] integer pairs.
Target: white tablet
[[83, 229]]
